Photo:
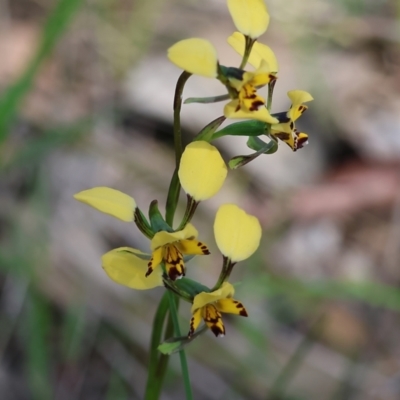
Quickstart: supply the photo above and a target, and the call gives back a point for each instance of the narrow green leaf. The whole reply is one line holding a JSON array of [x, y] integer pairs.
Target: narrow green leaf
[[207, 132], [207, 100], [243, 128], [155, 375], [257, 144], [240, 161], [173, 345], [38, 357]]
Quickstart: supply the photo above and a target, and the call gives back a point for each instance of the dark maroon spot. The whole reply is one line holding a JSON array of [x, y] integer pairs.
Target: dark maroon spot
[[255, 105], [291, 125], [243, 313], [174, 273], [282, 135], [217, 331]]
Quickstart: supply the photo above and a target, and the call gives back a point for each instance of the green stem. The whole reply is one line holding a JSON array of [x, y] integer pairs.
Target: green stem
[[271, 86], [247, 50], [295, 361], [158, 362], [225, 273], [172, 198], [177, 116], [173, 305], [175, 185], [189, 212]]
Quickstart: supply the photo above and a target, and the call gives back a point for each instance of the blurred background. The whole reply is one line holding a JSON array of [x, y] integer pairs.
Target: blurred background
[[86, 100]]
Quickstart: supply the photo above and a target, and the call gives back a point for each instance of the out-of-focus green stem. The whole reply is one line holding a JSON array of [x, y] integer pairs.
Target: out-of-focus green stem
[[271, 86], [292, 366], [175, 186], [184, 366], [158, 363]]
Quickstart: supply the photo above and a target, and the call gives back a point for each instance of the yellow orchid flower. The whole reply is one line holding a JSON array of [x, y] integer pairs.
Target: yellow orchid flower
[[124, 266], [249, 16], [169, 247], [249, 103], [198, 56], [209, 306], [109, 201], [202, 170], [259, 52], [237, 233], [286, 131]]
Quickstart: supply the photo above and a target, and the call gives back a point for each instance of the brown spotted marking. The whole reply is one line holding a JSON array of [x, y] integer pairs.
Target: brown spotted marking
[[203, 248], [213, 319], [191, 328], [174, 262], [256, 104], [240, 307], [283, 136], [149, 267]]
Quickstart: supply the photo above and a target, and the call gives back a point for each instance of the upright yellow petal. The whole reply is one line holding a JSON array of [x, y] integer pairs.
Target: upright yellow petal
[[162, 238], [109, 201], [197, 56], [225, 291], [125, 268], [299, 97], [249, 16], [259, 52], [202, 171], [237, 233]]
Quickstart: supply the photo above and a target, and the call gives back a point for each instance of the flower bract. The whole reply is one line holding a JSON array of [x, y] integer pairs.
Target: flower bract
[[109, 201], [208, 306], [237, 233], [124, 266], [286, 131], [202, 170], [197, 56], [169, 247], [249, 16]]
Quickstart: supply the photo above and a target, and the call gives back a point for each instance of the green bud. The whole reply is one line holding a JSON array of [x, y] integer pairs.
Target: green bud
[[157, 222]]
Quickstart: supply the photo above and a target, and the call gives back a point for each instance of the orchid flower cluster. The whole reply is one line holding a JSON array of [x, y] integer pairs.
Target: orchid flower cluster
[[201, 172]]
